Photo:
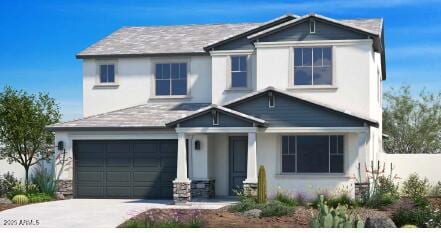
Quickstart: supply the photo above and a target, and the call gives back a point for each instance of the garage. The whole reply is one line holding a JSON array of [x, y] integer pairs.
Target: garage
[[124, 168]]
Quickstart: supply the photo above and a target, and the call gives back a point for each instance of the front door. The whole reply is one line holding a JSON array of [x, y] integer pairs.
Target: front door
[[238, 162]]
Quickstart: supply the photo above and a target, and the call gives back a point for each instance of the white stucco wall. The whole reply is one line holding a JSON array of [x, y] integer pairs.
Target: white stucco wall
[[134, 77], [352, 65], [425, 165]]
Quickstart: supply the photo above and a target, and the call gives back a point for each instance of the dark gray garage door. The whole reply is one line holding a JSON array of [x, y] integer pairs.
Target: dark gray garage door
[[125, 169]]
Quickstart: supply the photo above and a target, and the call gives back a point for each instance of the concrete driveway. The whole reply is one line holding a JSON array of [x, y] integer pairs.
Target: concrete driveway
[[89, 212]]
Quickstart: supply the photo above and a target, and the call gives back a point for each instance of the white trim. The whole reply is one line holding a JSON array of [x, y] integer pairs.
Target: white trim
[[313, 130], [114, 135], [231, 52], [106, 85], [311, 43], [216, 130], [154, 61]]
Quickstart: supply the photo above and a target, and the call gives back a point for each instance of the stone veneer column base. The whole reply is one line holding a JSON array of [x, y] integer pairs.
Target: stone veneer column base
[[250, 189], [181, 192], [361, 190], [65, 188], [203, 189]]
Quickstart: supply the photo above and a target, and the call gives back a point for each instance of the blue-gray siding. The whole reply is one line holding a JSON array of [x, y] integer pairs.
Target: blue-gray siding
[[238, 44], [323, 31], [291, 112], [206, 120]]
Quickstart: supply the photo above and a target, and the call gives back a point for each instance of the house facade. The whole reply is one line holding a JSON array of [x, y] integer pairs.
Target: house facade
[[192, 111]]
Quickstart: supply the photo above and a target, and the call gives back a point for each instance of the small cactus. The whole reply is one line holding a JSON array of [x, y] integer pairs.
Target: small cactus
[[20, 199], [261, 186], [334, 218]]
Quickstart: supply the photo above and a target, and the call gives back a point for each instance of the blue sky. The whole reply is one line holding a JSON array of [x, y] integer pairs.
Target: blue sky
[[39, 39]]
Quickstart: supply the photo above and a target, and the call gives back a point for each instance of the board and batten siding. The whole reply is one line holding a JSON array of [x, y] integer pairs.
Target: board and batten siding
[[323, 31], [206, 120], [289, 112]]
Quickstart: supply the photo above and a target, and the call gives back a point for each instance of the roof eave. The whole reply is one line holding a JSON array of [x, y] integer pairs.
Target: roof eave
[[103, 56], [102, 128]]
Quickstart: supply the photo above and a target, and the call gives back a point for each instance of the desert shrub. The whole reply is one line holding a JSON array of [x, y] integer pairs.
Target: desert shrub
[[415, 216], [435, 190], [7, 184], [45, 181], [334, 201], [285, 198], [39, 197], [275, 208], [414, 187], [244, 204], [385, 193], [157, 220]]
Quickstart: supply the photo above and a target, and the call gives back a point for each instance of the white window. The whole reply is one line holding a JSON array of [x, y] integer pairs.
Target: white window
[[313, 66], [239, 71], [215, 115], [107, 73], [171, 79], [312, 26]]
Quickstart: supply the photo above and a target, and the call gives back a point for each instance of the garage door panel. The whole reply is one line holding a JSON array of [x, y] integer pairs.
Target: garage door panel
[[118, 191], [118, 160], [145, 147], [90, 191], [150, 191], [125, 169], [146, 176], [91, 147], [90, 176], [119, 147], [118, 177]]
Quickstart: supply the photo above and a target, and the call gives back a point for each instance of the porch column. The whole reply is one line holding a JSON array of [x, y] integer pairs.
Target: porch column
[[250, 183], [182, 185]]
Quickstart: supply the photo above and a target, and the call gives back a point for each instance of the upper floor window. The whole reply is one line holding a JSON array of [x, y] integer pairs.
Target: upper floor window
[[239, 71], [313, 66], [171, 79], [107, 73]]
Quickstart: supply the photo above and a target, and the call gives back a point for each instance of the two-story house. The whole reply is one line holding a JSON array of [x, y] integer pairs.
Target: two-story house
[[194, 110]]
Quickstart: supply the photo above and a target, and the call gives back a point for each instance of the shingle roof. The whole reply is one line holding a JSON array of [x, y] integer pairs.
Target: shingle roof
[[183, 38], [150, 115]]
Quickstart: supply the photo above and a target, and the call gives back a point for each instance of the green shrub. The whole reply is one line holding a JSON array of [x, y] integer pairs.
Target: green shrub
[[385, 193], [275, 208], [39, 197], [341, 199], [415, 188], [435, 190], [20, 199], [414, 216], [261, 186], [286, 199], [327, 217], [7, 183], [244, 204], [44, 181]]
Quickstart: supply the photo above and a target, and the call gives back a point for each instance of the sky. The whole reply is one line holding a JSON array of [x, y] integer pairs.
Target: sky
[[39, 39]]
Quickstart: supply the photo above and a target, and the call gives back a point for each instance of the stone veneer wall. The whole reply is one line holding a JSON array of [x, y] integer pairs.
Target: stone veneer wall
[[250, 189], [203, 188], [361, 190], [181, 192], [65, 187]]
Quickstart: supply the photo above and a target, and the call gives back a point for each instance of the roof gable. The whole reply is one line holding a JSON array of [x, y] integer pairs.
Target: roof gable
[[227, 118], [294, 111]]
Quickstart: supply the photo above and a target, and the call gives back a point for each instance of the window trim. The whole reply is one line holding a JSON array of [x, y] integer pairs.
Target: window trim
[[327, 174], [291, 72], [249, 71], [169, 61], [247, 58], [312, 25], [104, 85], [215, 115]]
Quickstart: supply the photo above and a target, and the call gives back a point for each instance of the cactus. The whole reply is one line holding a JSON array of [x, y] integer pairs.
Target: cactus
[[334, 218], [20, 199], [261, 186]]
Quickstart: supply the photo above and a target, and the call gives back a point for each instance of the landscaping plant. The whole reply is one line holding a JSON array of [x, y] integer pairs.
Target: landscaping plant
[[39, 197], [285, 198], [152, 219], [45, 181], [435, 190], [419, 216], [7, 184], [328, 217], [416, 189], [20, 199], [23, 121], [261, 186]]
